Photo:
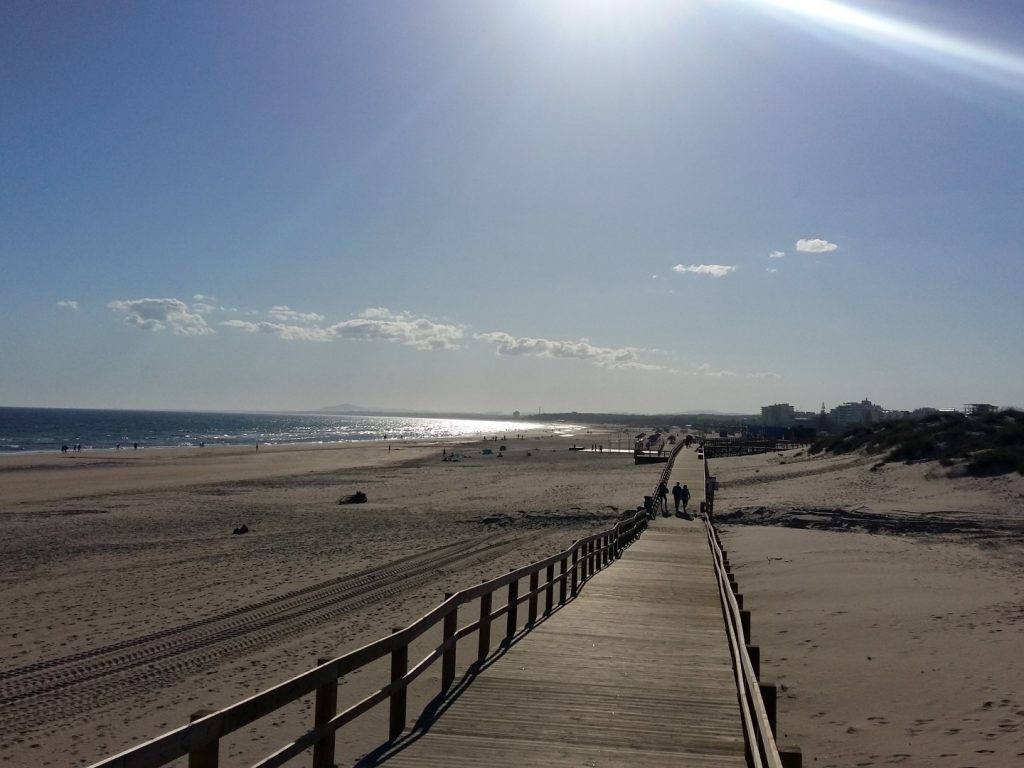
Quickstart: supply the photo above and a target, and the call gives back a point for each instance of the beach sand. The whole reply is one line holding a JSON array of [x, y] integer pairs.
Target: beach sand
[[888, 604], [128, 604]]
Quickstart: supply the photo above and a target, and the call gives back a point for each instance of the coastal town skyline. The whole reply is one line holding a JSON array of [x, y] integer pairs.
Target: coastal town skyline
[[485, 207]]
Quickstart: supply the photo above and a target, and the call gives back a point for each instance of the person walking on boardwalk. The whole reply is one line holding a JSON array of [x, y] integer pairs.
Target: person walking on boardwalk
[[663, 497], [677, 495], [685, 495]]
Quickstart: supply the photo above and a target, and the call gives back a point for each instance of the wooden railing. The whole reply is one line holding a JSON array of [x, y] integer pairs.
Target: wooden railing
[[200, 739], [651, 502], [720, 448], [757, 699]]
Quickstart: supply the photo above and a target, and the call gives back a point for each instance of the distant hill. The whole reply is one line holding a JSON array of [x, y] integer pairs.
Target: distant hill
[[984, 445], [692, 418], [349, 409], [343, 408], [702, 419]]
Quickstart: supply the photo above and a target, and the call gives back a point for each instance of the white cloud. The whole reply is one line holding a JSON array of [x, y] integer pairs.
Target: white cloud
[[288, 314], [764, 375], [157, 314], [68, 304], [706, 369], [607, 357], [205, 308], [815, 245], [376, 324], [771, 269], [713, 270], [281, 330], [776, 255], [380, 324], [203, 297]]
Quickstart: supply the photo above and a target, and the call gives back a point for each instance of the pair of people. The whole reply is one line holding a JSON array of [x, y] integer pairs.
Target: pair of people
[[681, 495]]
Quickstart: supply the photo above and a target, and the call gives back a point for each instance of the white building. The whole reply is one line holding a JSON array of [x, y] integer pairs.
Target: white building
[[778, 415], [852, 414]]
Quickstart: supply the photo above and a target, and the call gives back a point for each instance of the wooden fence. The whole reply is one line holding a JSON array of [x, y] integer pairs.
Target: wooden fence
[[757, 699], [563, 573], [720, 448]]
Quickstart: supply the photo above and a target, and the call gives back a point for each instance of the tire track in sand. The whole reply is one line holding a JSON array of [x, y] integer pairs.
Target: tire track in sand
[[68, 686]]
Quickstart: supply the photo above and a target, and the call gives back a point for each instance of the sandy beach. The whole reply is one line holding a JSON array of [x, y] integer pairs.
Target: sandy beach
[[888, 604], [129, 604], [887, 601]]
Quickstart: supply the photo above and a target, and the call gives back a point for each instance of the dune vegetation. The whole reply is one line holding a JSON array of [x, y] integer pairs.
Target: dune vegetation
[[979, 445]]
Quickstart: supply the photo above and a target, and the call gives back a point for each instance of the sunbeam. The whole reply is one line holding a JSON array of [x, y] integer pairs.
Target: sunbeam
[[971, 58]]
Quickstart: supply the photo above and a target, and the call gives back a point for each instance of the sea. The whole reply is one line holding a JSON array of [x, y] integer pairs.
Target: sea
[[48, 429]]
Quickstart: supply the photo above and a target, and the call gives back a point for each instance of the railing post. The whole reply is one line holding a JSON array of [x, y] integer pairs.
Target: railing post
[[563, 584], [745, 623], [534, 584], [451, 626], [399, 666], [754, 652], [769, 694], [791, 757], [485, 627], [513, 610], [209, 755], [575, 568], [549, 602], [325, 707]]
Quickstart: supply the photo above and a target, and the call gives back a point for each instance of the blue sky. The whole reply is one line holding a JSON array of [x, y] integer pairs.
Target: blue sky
[[611, 205]]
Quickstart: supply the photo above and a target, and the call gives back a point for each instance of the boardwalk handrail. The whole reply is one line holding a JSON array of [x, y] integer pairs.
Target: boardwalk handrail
[[762, 751], [199, 740], [666, 472]]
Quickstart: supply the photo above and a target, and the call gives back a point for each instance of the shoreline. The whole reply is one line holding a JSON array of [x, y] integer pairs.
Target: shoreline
[[133, 429]]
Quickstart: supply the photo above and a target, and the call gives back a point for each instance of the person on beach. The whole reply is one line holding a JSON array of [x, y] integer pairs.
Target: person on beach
[[685, 495], [663, 497], [677, 495]]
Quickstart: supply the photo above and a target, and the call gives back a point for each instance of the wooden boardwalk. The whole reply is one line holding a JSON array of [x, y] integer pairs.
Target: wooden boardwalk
[[635, 671]]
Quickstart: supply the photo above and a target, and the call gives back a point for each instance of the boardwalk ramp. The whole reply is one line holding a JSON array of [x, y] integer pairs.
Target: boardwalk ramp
[[636, 671]]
